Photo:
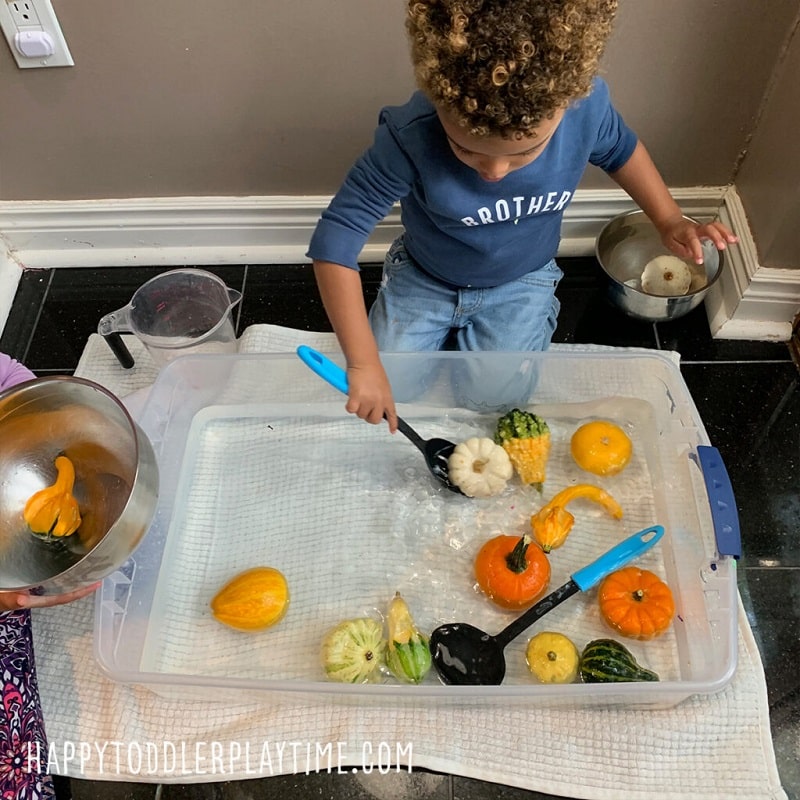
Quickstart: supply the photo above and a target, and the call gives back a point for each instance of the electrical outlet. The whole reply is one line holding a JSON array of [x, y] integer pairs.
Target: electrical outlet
[[23, 14], [32, 31]]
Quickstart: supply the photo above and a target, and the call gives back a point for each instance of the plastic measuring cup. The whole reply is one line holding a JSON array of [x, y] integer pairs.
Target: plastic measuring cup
[[178, 312]]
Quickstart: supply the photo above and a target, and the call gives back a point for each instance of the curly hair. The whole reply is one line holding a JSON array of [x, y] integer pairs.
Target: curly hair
[[501, 67]]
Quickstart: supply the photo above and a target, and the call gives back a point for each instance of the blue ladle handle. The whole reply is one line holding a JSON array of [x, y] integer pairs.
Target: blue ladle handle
[[583, 580], [617, 557], [324, 367]]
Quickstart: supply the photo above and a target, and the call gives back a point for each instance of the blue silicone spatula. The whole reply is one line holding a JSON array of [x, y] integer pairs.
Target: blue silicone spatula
[[464, 654]]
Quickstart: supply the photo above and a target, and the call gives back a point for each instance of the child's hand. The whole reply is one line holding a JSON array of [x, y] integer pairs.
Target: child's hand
[[682, 237], [14, 601], [370, 395]]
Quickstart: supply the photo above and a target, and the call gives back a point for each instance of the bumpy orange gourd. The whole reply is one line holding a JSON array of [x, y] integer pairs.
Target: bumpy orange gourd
[[252, 600], [513, 571], [54, 510], [552, 523], [636, 603], [551, 526]]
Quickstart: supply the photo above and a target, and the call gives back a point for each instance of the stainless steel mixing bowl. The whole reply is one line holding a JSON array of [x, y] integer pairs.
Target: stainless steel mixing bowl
[[625, 246], [116, 482]]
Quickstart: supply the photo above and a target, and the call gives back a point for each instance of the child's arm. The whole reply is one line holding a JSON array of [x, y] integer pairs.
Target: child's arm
[[640, 178], [14, 601], [370, 395]]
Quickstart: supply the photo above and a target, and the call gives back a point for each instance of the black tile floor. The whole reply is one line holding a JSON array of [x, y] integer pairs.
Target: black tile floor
[[746, 393]]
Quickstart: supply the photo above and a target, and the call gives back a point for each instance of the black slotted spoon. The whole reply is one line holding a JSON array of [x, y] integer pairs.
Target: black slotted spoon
[[435, 451]]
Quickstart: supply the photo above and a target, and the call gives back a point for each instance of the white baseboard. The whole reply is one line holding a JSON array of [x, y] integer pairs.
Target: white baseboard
[[750, 301], [10, 272], [276, 230], [239, 230]]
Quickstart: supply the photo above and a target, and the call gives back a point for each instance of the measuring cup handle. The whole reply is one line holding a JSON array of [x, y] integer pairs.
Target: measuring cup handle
[[119, 349], [109, 328]]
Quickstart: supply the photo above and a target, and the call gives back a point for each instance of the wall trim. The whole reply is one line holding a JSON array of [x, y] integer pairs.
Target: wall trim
[[749, 301], [239, 230], [10, 273]]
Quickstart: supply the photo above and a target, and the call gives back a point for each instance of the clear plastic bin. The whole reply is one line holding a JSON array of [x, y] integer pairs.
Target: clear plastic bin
[[261, 465]]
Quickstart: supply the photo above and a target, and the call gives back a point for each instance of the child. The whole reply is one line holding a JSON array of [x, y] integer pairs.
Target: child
[[483, 159], [21, 725]]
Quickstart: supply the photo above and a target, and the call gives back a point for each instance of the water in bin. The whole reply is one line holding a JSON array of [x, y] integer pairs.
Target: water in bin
[[176, 313], [487, 382], [494, 382]]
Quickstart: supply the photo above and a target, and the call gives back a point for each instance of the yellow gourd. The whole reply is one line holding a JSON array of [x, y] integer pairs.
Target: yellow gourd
[[551, 526], [552, 658], [552, 523], [54, 510], [601, 447], [253, 600]]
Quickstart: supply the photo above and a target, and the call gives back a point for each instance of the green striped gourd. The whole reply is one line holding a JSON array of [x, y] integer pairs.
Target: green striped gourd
[[608, 661]]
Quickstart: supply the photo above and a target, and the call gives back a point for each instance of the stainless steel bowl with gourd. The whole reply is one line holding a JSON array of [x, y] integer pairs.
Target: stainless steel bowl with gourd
[[644, 279], [78, 485]]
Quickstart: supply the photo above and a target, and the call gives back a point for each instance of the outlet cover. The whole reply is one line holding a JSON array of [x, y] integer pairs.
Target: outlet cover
[[26, 21]]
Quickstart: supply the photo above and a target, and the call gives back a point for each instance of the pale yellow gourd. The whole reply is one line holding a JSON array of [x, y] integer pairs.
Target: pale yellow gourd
[[479, 467], [552, 658]]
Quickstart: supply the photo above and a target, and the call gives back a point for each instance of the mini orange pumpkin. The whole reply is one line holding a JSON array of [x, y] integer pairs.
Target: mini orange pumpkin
[[636, 603], [512, 571]]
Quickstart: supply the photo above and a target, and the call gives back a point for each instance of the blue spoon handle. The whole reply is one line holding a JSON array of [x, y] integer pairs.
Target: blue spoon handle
[[617, 557], [324, 367]]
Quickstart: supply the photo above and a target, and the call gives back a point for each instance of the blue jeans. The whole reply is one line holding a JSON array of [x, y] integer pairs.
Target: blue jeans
[[414, 312]]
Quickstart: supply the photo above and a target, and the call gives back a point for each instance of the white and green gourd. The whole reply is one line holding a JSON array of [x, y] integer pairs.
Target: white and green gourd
[[408, 654], [354, 650]]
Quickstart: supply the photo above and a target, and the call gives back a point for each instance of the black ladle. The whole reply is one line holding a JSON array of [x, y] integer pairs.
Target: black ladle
[[466, 655], [436, 451]]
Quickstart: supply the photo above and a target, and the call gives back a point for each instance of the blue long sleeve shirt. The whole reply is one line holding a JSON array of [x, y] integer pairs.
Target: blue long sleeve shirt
[[459, 228]]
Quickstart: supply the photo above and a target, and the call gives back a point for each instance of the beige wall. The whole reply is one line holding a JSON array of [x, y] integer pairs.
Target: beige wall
[[689, 76], [166, 100], [769, 180]]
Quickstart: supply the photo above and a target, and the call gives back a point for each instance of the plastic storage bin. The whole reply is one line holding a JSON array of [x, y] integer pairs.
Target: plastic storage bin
[[261, 465]]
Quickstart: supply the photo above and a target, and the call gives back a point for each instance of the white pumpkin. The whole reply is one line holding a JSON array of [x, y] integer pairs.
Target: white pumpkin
[[479, 467], [667, 276]]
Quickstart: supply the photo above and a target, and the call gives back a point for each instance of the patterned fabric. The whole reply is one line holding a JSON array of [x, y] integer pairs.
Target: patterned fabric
[[23, 745]]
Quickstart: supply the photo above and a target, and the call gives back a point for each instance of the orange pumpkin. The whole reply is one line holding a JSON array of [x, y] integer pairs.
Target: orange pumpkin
[[512, 571], [636, 603]]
